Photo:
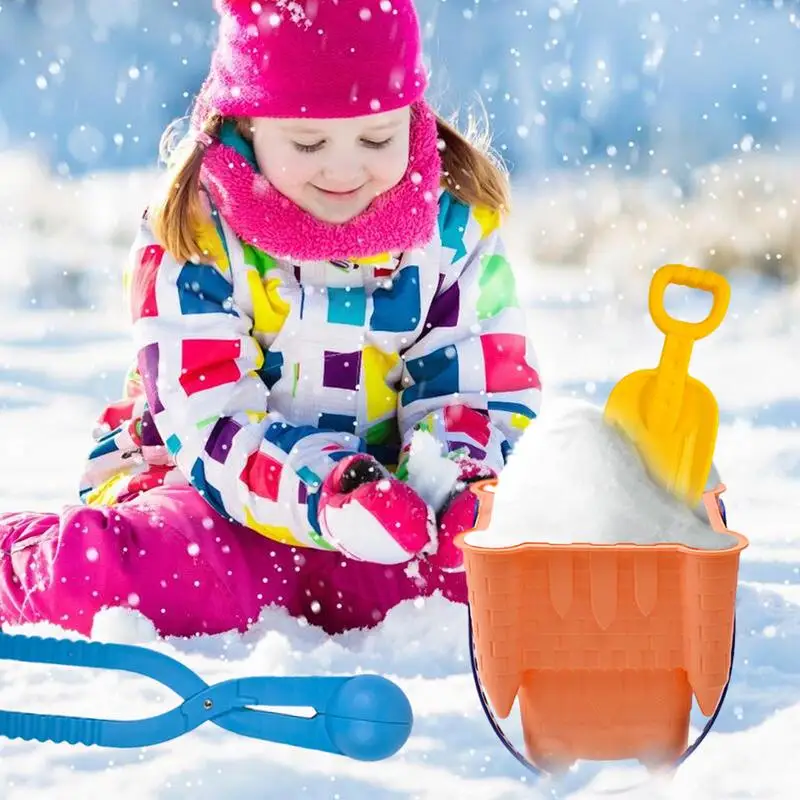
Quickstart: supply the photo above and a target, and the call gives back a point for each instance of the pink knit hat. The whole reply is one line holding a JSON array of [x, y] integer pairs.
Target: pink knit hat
[[313, 58]]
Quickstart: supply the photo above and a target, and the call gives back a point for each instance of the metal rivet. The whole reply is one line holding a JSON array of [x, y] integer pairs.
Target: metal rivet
[[207, 703]]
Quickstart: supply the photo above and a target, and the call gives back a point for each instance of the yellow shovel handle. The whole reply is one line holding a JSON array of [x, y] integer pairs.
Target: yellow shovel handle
[[692, 278], [665, 406]]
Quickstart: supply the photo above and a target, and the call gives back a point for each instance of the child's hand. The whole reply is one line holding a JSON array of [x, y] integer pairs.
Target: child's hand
[[371, 516], [459, 514], [443, 481]]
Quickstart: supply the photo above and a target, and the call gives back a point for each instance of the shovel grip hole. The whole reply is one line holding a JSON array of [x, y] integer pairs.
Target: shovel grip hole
[[687, 305], [687, 289]]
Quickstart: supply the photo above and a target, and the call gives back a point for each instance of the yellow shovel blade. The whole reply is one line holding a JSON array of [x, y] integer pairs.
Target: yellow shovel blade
[[680, 460], [670, 417]]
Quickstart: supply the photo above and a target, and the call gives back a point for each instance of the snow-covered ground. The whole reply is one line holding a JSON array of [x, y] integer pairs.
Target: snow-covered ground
[[58, 366]]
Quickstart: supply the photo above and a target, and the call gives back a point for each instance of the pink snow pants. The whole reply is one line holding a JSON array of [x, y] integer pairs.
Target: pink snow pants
[[189, 570]]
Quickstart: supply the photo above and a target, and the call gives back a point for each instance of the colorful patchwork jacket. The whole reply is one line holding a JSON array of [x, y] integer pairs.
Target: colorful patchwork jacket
[[261, 374]]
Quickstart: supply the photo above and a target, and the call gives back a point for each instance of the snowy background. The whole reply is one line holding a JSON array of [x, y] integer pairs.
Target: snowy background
[[640, 133]]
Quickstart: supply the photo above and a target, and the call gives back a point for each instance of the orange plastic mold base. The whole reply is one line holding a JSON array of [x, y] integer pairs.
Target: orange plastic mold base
[[604, 644]]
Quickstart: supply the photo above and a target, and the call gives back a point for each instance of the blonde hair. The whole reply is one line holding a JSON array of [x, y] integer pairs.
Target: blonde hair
[[470, 171]]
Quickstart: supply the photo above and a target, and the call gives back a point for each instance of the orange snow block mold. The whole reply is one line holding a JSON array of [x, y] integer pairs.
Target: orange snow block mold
[[603, 644]]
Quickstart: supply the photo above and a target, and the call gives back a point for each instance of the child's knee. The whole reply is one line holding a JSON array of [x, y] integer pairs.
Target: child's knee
[[97, 540], [185, 577], [132, 557]]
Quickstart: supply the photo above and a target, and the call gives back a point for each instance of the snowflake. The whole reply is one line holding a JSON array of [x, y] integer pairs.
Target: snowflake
[[296, 12]]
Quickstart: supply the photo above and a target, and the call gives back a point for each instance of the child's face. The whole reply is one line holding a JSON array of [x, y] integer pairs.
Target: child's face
[[333, 168]]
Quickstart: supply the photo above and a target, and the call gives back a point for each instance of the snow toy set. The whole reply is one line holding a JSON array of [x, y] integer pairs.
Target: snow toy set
[[604, 645], [364, 717]]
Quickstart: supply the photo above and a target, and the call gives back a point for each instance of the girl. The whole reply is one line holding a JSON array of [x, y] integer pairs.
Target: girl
[[322, 277]]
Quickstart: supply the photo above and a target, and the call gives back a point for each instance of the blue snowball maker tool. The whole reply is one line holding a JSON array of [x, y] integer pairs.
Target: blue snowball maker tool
[[364, 717]]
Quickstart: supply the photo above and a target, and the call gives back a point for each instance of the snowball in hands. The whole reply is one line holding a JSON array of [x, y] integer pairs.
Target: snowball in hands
[[573, 478], [431, 474]]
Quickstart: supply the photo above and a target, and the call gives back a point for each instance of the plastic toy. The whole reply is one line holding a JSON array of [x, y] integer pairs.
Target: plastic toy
[[671, 417], [364, 717]]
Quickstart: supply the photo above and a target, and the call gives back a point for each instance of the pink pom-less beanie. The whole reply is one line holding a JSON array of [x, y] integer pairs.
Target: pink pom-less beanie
[[314, 58]]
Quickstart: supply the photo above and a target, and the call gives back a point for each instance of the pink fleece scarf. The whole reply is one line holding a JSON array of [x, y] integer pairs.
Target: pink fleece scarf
[[398, 220]]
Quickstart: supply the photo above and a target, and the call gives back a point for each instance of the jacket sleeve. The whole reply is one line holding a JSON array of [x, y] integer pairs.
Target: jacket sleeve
[[471, 379], [201, 370]]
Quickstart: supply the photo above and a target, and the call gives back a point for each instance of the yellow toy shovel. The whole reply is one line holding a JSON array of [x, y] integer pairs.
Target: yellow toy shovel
[[669, 416]]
